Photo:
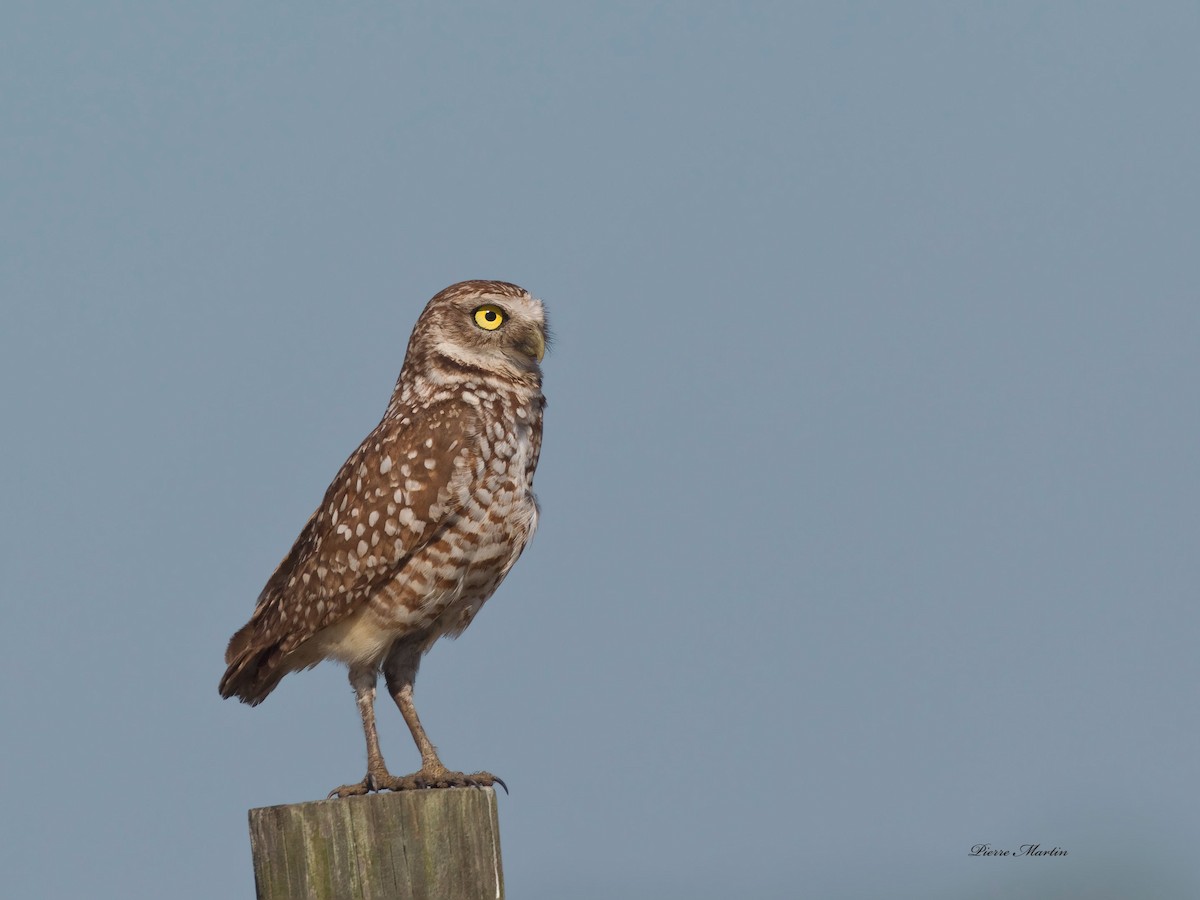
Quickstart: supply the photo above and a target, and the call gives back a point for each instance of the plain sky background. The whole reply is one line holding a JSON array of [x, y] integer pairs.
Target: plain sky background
[[869, 487]]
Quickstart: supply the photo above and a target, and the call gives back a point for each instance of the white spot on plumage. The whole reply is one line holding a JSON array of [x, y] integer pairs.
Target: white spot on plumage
[[385, 465]]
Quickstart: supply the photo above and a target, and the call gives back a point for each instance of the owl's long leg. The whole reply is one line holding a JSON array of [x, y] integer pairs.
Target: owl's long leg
[[400, 670], [362, 679]]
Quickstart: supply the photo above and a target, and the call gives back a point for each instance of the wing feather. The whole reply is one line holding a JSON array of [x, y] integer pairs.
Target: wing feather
[[392, 496]]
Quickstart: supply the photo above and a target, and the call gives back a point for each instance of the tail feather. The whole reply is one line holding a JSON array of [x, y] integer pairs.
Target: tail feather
[[254, 669]]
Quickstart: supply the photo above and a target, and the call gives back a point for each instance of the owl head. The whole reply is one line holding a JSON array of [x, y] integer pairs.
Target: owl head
[[480, 327]]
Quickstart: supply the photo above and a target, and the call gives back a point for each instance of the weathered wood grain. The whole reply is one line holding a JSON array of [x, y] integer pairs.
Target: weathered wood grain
[[442, 843]]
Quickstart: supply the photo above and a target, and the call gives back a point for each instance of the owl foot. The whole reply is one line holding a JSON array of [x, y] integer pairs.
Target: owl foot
[[352, 790], [421, 780], [440, 778], [377, 779]]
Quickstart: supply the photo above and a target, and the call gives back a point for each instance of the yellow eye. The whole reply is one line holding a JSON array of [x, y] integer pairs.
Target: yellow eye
[[489, 317]]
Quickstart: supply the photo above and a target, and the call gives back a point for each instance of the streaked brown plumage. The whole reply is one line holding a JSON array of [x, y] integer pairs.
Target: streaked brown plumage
[[419, 526]]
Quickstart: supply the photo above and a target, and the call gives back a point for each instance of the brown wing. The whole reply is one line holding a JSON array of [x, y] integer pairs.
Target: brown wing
[[393, 495]]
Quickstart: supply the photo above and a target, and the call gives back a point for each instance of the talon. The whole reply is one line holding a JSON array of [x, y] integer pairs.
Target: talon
[[353, 790], [484, 779]]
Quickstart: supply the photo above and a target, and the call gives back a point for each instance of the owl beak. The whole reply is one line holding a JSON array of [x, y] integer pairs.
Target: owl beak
[[533, 343]]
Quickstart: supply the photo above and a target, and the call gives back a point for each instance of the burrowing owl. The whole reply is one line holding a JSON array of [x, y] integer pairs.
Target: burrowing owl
[[421, 524]]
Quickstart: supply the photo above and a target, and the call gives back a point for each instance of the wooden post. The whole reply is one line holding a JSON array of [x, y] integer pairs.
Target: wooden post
[[441, 843]]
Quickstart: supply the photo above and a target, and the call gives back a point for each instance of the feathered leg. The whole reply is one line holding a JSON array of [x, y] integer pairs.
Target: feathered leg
[[400, 671], [362, 679]]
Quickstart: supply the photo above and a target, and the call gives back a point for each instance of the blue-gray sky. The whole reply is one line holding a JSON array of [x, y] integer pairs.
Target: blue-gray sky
[[869, 488]]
